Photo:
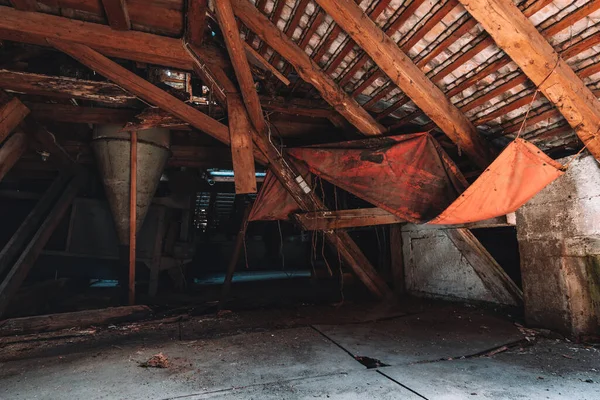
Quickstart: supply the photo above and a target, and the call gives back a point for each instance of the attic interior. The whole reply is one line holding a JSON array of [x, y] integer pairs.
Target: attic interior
[[299, 199]]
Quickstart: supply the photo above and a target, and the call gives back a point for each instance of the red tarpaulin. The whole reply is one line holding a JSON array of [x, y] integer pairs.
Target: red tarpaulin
[[412, 177]]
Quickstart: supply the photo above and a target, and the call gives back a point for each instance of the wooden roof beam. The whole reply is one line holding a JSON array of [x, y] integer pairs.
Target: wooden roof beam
[[519, 38], [307, 69], [117, 14], [409, 78], [11, 115], [195, 21], [34, 28], [24, 5]]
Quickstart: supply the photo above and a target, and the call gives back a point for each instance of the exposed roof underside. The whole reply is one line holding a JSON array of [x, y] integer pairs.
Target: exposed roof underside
[[439, 36]]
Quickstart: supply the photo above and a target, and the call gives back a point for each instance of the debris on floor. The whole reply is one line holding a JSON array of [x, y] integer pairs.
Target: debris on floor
[[156, 361]]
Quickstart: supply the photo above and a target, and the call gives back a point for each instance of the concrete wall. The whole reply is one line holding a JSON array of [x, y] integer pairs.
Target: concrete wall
[[434, 267], [559, 243]]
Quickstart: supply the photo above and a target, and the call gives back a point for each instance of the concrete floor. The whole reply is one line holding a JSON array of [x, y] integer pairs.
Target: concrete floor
[[431, 352]]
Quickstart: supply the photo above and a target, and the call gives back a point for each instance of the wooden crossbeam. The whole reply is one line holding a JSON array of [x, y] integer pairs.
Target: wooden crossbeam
[[306, 68], [63, 87], [11, 115], [80, 115], [195, 21], [519, 38], [403, 72], [34, 28], [117, 14], [326, 220]]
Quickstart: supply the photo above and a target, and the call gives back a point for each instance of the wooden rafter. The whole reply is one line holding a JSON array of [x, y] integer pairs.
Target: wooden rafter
[[341, 219], [307, 69], [517, 36], [409, 78], [11, 115], [117, 14], [11, 151]]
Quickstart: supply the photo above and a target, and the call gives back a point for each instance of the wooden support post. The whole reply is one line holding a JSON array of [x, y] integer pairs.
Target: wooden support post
[[325, 220], [397, 259], [132, 215], [195, 21], [11, 151], [492, 275], [240, 133], [306, 68], [20, 269], [519, 38], [235, 256], [31, 222], [117, 14], [11, 115], [403, 72]]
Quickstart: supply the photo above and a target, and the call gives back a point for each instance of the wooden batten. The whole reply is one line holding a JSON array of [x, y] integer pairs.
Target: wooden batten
[[520, 39], [11, 115], [403, 72]]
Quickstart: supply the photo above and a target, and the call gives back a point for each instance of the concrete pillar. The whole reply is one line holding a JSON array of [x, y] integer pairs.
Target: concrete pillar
[[559, 244]]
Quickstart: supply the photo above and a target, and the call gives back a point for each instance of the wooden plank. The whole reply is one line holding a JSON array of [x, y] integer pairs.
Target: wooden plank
[[35, 28], [255, 55], [411, 80], [195, 19], [307, 68], [397, 259], [11, 115], [240, 132], [519, 38], [17, 274], [63, 87], [237, 54], [340, 219], [492, 275], [77, 319], [24, 5], [30, 224], [117, 14], [11, 151]]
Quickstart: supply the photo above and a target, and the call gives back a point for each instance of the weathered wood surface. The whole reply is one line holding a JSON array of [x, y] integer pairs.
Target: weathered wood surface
[[117, 14], [63, 87], [11, 115], [340, 219], [259, 60], [402, 71], [80, 115], [308, 70], [241, 67], [11, 151], [18, 272], [78, 319], [35, 28], [195, 21], [491, 274], [25, 5], [520, 39], [240, 132]]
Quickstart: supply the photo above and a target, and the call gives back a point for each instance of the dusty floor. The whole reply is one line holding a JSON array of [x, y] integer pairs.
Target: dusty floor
[[417, 351]]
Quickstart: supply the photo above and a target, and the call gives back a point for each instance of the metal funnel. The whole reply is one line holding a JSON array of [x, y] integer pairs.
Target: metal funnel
[[112, 150]]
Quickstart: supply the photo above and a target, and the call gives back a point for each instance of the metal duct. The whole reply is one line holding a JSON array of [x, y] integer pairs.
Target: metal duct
[[112, 150]]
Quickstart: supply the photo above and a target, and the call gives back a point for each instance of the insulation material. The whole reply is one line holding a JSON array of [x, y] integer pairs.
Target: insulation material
[[411, 177]]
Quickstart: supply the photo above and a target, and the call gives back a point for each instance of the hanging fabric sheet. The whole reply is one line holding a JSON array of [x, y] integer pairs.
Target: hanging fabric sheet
[[412, 177]]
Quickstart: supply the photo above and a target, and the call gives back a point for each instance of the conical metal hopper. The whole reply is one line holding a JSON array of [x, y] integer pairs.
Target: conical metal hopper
[[112, 150]]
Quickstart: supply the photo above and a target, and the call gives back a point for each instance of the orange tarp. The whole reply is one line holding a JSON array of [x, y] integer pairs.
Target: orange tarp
[[412, 177]]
